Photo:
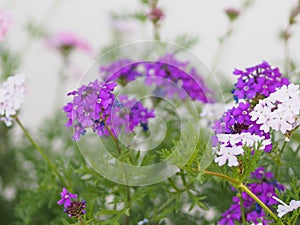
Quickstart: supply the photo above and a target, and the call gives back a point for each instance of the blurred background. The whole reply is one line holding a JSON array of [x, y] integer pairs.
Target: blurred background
[[255, 37]]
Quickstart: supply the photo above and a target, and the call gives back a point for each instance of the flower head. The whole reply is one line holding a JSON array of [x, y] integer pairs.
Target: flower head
[[66, 198], [284, 208], [142, 222], [66, 42], [5, 22], [90, 108], [156, 15], [259, 80], [279, 111], [12, 93], [72, 206]]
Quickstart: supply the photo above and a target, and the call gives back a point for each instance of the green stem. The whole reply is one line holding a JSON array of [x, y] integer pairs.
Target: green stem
[[225, 177], [242, 207], [113, 137], [42, 153]]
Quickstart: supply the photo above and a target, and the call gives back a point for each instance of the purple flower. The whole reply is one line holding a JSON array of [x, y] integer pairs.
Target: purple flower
[[263, 186], [66, 42], [90, 108], [66, 198], [156, 14], [260, 80], [161, 73], [129, 113]]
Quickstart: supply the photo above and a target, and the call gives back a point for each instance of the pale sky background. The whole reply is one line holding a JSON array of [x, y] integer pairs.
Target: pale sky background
[[255, 37]]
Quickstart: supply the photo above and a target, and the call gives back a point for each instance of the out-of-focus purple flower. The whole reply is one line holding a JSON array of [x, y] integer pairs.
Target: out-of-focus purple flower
[[263, 186], [90, 108], [66, 198], [161, 73], [66, 42], [232, 13], [258, 81], [12, 93], [5, 22], [129, 113], [156, 14]]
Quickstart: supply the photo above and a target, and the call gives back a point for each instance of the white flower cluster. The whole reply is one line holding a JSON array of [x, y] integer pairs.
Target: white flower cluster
[[232, 146], [12, 93], [284, 208], [279, 111]]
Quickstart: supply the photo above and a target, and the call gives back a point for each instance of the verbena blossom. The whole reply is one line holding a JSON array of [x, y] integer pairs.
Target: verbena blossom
[[279, 111], [237, 120], [156, 14], [263, 186], [129, 113], [12, 93], [66, 42], [90, 108], [258, 81], [72, 206], [284, 208], [231, 145], [5, 22], [160, 73], [95, 107]]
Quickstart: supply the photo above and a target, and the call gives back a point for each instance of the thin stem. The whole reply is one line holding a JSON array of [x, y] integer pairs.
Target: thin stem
[[225, 177], [113, 136], [242, 207], [42, 153], [254, 197]]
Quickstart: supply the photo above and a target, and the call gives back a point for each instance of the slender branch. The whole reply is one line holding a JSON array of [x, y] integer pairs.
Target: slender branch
[[225, 177], [42, 153], [242, 206], [113, 136]]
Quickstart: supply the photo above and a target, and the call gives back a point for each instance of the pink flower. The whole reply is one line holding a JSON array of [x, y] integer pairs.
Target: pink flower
[[67, 41], [5, 22]]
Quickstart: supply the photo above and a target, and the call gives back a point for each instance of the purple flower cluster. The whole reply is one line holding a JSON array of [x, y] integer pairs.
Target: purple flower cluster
[[167, 68], [73, 207], [258, 80], [95, 106], [263, 187], [90, 108], [129, 113], [236, 121]]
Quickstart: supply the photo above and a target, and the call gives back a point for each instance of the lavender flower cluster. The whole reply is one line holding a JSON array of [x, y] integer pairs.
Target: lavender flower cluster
[[94, 105], [264, 187], [167, 68]]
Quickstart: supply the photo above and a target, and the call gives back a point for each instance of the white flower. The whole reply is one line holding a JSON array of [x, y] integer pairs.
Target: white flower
[[142, 222], [229, 153], [12, 93], [284, 208], [232, 145], [279, 111]]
